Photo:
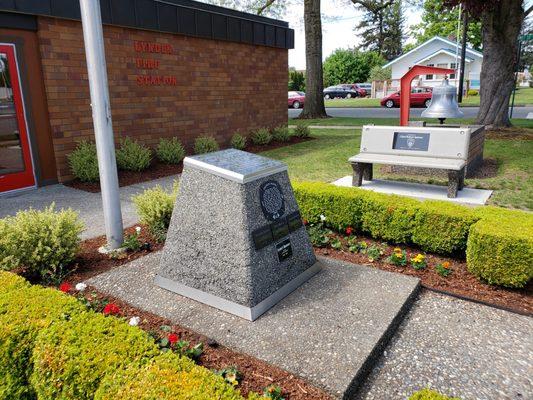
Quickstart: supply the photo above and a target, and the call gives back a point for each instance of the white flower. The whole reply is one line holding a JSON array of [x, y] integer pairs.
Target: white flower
[[80, 287], [322, 217], [138, 229], [134, 321]]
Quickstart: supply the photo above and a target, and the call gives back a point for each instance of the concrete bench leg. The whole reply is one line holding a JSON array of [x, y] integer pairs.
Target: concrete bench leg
[[461, 179], [454, 181], [358, 171], [367, 172]]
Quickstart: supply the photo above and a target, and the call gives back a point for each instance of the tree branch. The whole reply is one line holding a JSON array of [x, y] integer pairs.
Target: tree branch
[[372, 7], [267, 4], [528, 11]]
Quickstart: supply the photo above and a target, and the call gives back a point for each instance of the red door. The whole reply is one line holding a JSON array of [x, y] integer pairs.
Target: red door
[[16, 167]]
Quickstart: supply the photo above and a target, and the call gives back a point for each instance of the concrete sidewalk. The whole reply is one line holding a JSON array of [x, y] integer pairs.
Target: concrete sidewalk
[[88, 205]]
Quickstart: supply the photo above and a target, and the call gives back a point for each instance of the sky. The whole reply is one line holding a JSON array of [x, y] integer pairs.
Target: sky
[[339, 17]]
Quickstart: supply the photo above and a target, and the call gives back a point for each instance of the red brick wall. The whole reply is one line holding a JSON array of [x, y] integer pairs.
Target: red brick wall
[[219, 87]]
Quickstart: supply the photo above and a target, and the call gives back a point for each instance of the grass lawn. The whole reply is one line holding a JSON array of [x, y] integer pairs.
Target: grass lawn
[[325, 159], [523, 96], [348, 121]]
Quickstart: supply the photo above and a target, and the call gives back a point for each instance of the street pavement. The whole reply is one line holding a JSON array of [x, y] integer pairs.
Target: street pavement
[[382, 112]]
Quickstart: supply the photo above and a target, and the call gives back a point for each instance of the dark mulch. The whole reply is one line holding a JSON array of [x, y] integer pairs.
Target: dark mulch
[[488, 169], [257, 374], [459, 283], [159, 170]]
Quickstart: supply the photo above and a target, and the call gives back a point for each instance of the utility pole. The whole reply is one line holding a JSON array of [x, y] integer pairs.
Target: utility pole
[[463, 56], [103, 127]]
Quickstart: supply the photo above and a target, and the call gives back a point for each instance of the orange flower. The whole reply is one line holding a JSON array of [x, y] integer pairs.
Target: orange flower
[[446, 264]]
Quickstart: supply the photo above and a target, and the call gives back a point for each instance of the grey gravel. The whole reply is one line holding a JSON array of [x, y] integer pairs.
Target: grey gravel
[[324, 331], [88, 205], [459, 348]]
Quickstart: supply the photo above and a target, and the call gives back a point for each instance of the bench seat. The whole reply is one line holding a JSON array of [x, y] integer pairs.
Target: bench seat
[[421, 162]]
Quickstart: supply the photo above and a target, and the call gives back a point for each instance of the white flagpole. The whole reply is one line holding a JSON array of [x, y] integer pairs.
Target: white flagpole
[[103, 127]]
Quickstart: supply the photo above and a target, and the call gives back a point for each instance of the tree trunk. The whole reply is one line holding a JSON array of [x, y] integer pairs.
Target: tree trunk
[[314, 95], [501, 26]]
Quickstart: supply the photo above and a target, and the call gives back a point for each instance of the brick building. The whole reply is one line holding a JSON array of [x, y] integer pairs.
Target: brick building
[[175, 68]]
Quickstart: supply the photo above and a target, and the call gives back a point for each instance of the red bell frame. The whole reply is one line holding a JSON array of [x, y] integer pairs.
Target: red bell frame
[[405, 87]]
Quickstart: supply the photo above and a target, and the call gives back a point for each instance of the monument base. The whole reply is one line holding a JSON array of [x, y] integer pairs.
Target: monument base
[[249, 313]]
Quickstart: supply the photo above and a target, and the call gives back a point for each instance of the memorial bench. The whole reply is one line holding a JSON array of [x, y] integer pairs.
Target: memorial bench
[[413, 146]]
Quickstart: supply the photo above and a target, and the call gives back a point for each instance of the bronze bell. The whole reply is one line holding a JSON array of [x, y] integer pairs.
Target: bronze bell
[[443, 103]]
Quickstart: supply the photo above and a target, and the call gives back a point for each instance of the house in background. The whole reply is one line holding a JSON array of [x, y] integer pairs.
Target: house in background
[[438, 52]]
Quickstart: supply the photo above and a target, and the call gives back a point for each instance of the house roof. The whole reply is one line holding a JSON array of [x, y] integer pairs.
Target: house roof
[[445, 42], [449, 52], [184, 17]]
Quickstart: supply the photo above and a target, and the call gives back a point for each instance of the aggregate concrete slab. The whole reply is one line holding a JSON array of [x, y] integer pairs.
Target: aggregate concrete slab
[[329, 331], [459, 348], [420, 190]]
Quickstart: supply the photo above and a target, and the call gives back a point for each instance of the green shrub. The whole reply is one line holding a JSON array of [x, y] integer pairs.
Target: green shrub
[[133, 156], [166, 377], [302, 131], [84, 162], [42, 242], [24, 312], [428, 394], [238, 141], [261, 137], [498, 242], [472, 92], [72, 356], [170, 151], [281, 134], [500, 247], [442, 227], [154, 207], [205, 144]]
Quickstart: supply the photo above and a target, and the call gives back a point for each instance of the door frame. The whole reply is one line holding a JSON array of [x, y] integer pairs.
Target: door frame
[[28, 176]]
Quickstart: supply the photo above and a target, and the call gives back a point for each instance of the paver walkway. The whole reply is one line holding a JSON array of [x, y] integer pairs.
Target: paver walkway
[[88, 205], [459, 348]]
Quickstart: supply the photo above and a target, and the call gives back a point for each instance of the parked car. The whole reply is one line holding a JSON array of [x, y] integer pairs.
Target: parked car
[[420, 96], [296, 99], [366, 86], [341, 91], [361, 92]]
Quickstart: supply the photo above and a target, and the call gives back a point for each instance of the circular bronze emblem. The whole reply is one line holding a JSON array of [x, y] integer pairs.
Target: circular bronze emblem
[[272, 201]]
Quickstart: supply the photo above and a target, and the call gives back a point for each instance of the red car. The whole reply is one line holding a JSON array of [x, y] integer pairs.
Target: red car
[[296, 99], [420, 96]]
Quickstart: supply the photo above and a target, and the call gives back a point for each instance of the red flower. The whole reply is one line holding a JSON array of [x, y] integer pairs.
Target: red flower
[[65, 287], [349, 230], [111, 309], [172, 338], [305, 222]]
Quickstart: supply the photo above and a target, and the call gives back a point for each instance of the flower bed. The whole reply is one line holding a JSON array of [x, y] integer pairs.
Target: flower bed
[[498, 242], [51, 346]]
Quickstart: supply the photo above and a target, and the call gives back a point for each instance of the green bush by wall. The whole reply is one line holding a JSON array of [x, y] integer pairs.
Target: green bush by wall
[[24, 311], [43, 242], [132, 155], [498, 242], [83, 162], [52, 348]]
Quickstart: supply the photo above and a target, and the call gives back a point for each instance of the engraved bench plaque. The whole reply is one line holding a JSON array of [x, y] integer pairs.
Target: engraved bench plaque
[[236, 239]]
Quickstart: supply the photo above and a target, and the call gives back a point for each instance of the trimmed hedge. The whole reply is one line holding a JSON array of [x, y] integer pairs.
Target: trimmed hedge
[[500, 247], [52, 348], [25, 311], [498, 242], [166, 377], [428, 394], [435, 226], [72, 356]]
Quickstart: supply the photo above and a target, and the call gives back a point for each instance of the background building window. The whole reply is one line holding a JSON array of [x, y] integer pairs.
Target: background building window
[[452, 66], [429, 77]]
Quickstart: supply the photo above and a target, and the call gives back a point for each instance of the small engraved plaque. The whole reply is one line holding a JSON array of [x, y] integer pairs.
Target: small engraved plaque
[[284, 249], [410, 141], [294, 221], [262, 237], [279, 228], [272, 201]]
